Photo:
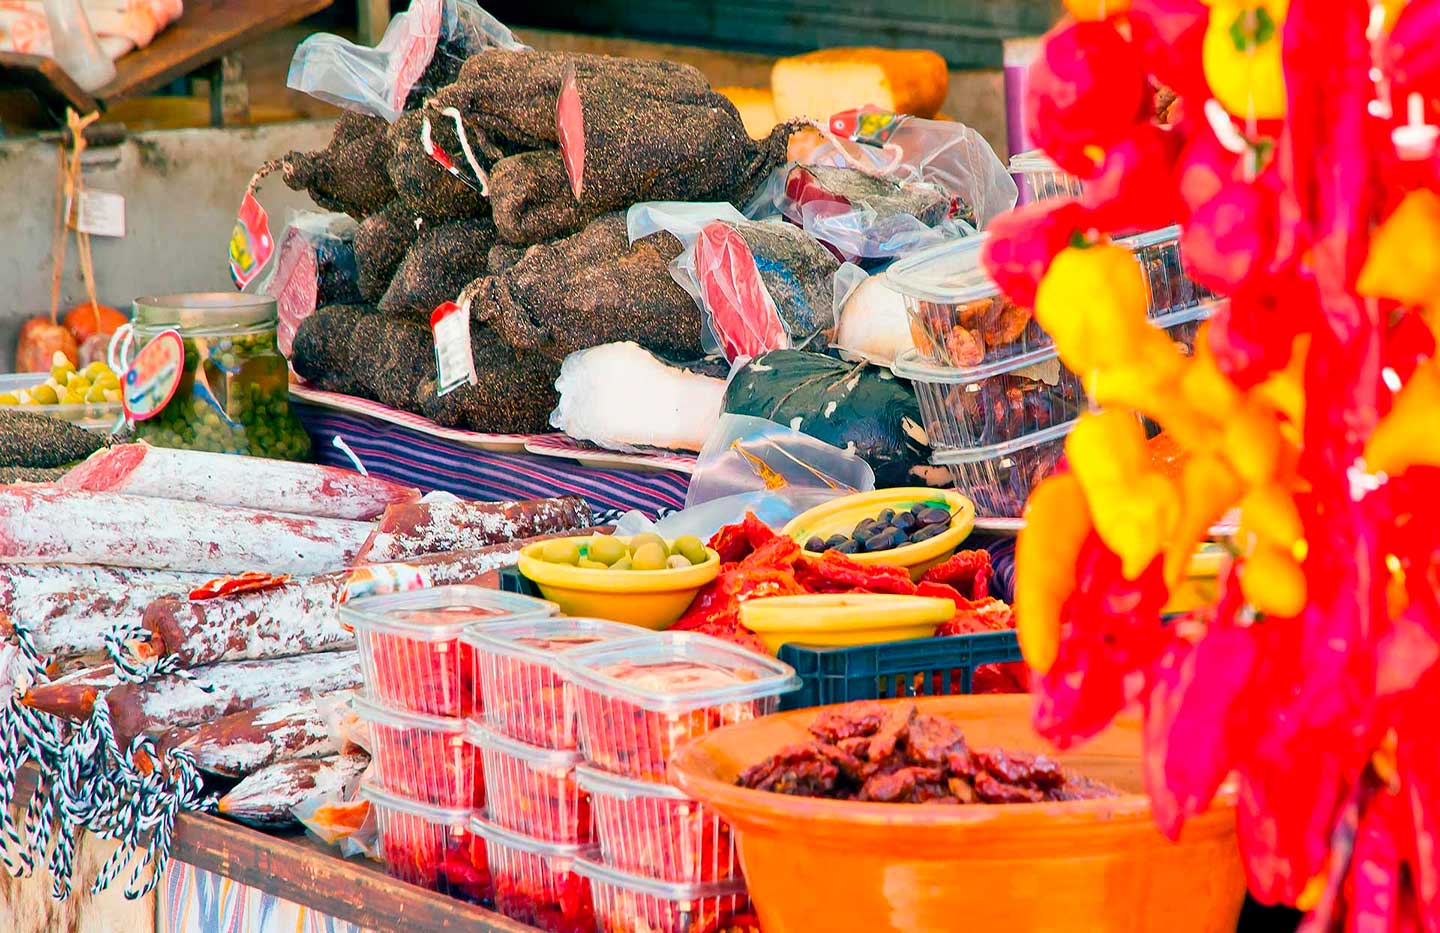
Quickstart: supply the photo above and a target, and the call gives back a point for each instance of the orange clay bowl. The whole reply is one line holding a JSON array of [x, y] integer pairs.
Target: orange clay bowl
[[1092, 866]]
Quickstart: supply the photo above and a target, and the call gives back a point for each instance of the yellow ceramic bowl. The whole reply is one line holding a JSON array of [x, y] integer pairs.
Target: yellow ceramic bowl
[[651, 599], [840, 516], [843, 619]]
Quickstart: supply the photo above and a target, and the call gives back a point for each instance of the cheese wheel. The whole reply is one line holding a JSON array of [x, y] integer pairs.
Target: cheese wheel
[[822, 83], [756, 106]]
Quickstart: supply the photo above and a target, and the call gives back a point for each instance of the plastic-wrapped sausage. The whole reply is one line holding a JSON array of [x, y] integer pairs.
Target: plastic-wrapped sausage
[[266, 797], [419, 528], [243, 743], [215, 691], [44, 524], [247, 482]]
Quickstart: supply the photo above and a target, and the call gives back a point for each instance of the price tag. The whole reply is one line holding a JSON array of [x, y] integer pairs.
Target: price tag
[[250, 242], [454, 358], [100, 213], [153, 376]]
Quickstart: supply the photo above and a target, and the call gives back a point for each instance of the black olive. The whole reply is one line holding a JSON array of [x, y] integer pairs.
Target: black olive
[[925, 532], [885, 517], [816, 544], [863, 527], [850, 546], [933, 516], [905, 521], [834, 541]]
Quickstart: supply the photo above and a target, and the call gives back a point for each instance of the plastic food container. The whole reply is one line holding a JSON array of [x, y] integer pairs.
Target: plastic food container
[[532, 790], [1171, 287], [411, 653], [422, 758], [998, 477], [1043, 178], [234, 391], [991, 404], [629, 904], [637, 700], [97, 417], [430, 846], [840, 516], [517, 668], [651, 599], [535, 881], [656, 831]]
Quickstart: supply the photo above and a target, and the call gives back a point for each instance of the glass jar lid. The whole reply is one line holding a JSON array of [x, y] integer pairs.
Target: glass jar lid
[[199, 314]]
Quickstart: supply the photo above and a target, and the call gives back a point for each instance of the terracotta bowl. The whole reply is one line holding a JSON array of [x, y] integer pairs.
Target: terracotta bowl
[[1089, 866]]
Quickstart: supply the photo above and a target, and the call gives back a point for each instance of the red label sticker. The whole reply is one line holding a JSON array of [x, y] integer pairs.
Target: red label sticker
[[869, 125], [250, 242], [153, 376], [454, 357], [248, 582]]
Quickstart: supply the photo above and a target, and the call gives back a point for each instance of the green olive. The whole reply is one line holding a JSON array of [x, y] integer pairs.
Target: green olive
[[692, 549], [606, 550], [639, 541], [622, 564], [677, 561], [649, 556], [560, 551], [585, 564]]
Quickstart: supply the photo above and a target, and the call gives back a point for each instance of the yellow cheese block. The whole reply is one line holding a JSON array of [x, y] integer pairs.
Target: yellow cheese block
[[820, 84], [756, 106]]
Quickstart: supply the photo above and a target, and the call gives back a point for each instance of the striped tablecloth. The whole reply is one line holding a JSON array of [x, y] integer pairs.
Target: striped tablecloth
[[397, 453]]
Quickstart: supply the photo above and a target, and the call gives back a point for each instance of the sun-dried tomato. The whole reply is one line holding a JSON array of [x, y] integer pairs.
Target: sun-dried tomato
[[833, 572], [967, 571], [735, 542]]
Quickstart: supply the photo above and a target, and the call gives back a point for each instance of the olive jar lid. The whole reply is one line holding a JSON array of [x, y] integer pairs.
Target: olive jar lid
[[202, 313]]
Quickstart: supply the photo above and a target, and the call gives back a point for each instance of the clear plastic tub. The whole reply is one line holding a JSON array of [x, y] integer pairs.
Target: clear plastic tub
[[628, 904], [638, 699], [983, 405], [655, 831], [422, 758], [532, 790], [433, 847], [998, 477], [1042, 178], [535, 881], [516, 667], [411, 654], [1171, 287], [96, 417]]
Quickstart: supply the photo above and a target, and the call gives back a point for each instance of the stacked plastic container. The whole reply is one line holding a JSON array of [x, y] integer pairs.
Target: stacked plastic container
[[537, 822], [995, 400], [420, 688], [665, 863]]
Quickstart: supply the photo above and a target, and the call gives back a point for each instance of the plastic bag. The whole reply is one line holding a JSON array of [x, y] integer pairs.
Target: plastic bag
[[872, 324], [948, 155], [315, 267], [746, 454], [760, 285], [422, 51], [773, 508]]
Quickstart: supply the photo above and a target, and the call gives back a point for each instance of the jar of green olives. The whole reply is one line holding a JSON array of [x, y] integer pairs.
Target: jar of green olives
[[234, 390]]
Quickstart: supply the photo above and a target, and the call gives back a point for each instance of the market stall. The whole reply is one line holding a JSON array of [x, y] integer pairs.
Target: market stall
[[612, 512]]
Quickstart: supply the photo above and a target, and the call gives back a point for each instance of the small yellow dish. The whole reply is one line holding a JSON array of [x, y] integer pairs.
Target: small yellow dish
[[651, 599], [840, 516], [843, 619]]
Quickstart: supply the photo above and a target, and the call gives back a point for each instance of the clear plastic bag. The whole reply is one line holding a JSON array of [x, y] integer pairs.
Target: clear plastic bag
[[422, 50], [315, 267], [773, 508], [871, 322], [948, 155], [747, 454], [760, 286]]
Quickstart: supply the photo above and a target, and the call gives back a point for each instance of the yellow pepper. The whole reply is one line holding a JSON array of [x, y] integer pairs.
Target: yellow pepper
[[1203, 385], [1133, 506], [1093, 300], [1241, 57], [1253, 443], [1272, 581], [1057, 523], [1209, 486], [1270, 514], [1285, 390], [1410, 434], [1098, 9], [1392, 11], [1404, 259]]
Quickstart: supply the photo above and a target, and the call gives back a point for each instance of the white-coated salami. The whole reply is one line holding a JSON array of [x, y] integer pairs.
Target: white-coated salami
[[420, 528], [41, 524], [245, 742], [266, 797], [245, 482]]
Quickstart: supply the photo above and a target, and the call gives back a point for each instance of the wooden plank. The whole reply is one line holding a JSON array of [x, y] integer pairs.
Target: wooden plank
[[47, 80], [27, 907], [374, 16], [301, 870], [206, 32]]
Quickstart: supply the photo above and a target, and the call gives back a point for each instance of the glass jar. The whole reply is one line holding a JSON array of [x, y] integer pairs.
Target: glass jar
[[234, 391]]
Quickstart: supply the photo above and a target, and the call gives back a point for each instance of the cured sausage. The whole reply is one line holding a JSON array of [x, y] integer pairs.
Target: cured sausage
[[245, 482], [72, 696], [266, 797], [419, 528], [45, 524], [245, 742]]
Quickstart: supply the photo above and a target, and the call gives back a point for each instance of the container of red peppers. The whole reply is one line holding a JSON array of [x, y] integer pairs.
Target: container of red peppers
[[411, 653], [532, 790], [517, 668], [433, 847], [535, 882], [422, 758], [637, 700], [656, 831], [631, 904]]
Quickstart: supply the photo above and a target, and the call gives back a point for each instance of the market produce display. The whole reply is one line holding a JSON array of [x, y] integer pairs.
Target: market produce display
[[887, 530], [96, 384], [413, 529], [638, 553], [349, 174]]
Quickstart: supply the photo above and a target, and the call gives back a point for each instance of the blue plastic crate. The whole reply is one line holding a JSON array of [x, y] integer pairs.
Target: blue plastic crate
[[920, 667], [513, 581]]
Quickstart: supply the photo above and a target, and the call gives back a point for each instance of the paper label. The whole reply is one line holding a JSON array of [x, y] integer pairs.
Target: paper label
[[454, 358], [867, 125], [1046, 371], [153, 376], [250, 242], [442, 158], [385, 578], [100, 213]]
